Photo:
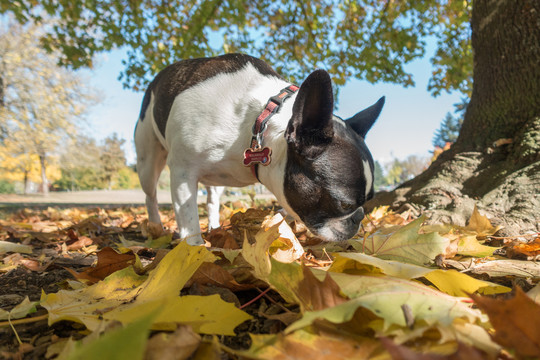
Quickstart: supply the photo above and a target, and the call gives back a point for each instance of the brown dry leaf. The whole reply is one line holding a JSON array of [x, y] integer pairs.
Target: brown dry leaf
[[82, 241], [221, 238], [248, 222], [214, 274], [91, 225], [109, 261], [179, 345], [480, 225], [515, 322], [318, 295], [528, 251], [400, 352], [303, 345], [35, 265]]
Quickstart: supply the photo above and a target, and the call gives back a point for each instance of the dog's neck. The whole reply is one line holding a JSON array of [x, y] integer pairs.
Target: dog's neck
[[272, 175]]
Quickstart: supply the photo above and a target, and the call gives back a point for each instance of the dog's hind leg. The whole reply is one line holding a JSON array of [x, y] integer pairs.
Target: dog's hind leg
[[214, 194], [151, 159]]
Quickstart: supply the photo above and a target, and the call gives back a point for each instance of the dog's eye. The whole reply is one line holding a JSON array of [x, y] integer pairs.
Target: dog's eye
[[347, 206]]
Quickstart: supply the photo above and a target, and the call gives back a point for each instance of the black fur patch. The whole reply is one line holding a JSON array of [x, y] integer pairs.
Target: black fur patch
[[184, 74]]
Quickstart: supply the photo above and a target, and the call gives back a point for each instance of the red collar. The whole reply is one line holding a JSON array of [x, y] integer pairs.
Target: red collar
[[256, 154]]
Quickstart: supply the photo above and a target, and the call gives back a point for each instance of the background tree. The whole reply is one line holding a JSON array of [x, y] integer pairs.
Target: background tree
[[495, 161], [378, 174], [399, 171], [112, 159], [366, 39], [87, 165], [42, 102], [81, 165], [449, 129]]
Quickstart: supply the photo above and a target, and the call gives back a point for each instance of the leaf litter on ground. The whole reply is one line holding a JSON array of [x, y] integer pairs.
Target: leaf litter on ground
[[269, 288]]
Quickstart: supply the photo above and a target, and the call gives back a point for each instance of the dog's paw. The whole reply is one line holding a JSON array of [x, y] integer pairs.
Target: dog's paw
[[195, 240]]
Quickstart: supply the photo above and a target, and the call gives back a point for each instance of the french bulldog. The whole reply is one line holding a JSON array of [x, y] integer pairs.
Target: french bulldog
[[202, 117]]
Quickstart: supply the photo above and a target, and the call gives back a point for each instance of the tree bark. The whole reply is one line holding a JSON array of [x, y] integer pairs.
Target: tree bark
[[495, 162]]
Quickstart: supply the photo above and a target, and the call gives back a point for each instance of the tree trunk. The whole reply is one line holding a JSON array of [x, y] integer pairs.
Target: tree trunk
[[495, 162], [2, 104], [44, 181], [26, 182]]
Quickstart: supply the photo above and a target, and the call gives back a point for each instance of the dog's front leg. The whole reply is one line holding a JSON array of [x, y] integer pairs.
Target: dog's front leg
[[214, 194], [184, 197]]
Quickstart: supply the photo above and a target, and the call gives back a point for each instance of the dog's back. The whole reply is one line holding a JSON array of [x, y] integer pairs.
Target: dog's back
[[184, 74]]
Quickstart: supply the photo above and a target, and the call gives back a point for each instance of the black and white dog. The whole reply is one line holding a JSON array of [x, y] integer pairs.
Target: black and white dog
[[232, 121]]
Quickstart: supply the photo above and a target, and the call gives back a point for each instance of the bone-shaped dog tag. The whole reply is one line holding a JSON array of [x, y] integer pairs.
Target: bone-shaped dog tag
[[257, 156]]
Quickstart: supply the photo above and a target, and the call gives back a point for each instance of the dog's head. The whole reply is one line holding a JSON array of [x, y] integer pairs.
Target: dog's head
[[329, 170]]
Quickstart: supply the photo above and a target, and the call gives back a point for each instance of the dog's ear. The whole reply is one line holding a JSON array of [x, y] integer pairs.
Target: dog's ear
[[311, 129], [364, 120]]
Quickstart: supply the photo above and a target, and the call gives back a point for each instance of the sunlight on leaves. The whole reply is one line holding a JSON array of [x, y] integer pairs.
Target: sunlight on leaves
[[480, 225], [126, 343], [21, 310], [448, 281], [404, 244], [205, 314], [303, 345]]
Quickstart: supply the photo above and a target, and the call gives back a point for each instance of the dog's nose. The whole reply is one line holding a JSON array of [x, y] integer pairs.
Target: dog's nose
[[358, 215]]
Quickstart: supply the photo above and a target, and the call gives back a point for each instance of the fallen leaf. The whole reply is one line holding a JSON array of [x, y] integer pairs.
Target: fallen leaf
[[298, 284], [108, 262], [302, 345], [498, 268], [82, 241], [257, 255], [213, 274], [385, 297], [21, 310], [515, 322], [534, 293], [528, 251], [178, 345], [248, 222], [125, 296], [126, 343], [480, 225], [286, 248], [172, 273], [316, 295], [6, 246], [405, 244], [470, 246], [363, 264], [455, 283], [448, 281], [221, 238], [205, 314], [403, 353]]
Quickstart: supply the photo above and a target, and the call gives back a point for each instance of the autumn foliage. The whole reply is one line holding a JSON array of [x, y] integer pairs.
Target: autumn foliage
[[399, 289]]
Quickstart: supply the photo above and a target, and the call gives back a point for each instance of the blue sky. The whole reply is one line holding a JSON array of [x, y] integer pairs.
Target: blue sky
[[405, 126]]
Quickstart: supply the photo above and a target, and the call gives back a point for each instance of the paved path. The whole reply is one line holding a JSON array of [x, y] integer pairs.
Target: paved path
[[112, 197], [86, 197]]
